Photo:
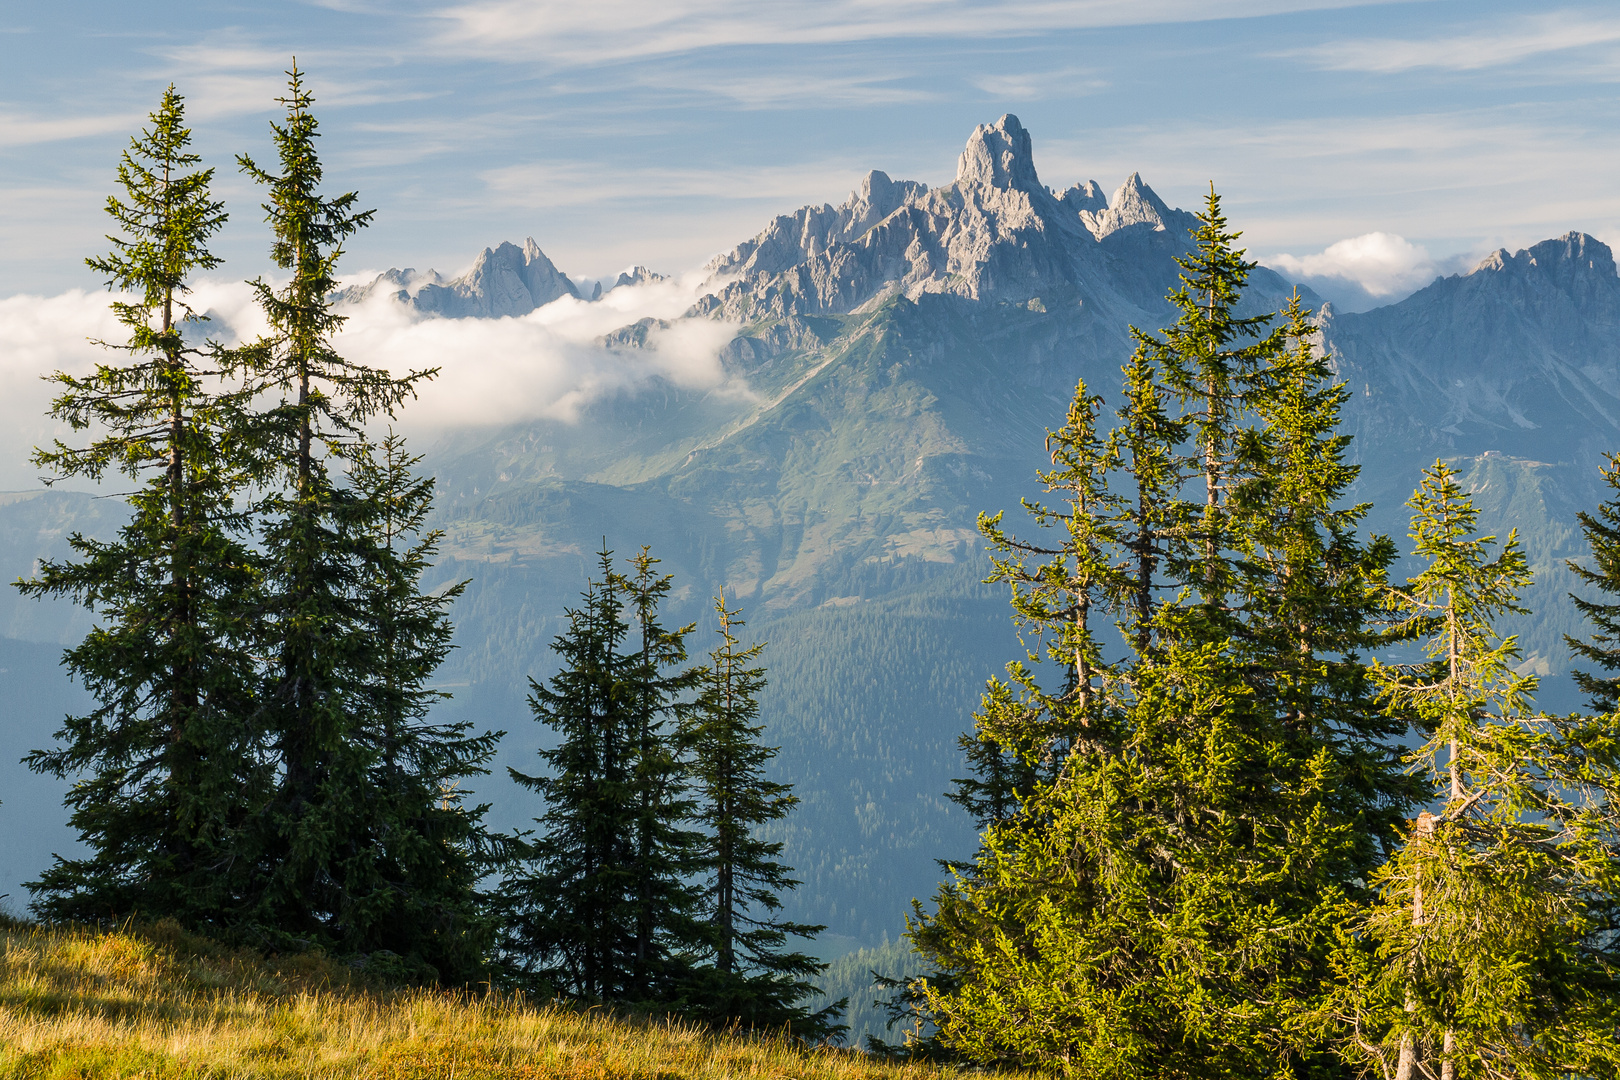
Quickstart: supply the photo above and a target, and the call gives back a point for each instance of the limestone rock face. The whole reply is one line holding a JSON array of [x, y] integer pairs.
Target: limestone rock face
[[504, 281], [1084, 199], [1135, 204], [999, 155], [995, 234]]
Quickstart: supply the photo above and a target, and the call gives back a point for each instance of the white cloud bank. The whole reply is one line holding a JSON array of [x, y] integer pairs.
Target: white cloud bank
[[1378, 265], [545, 365]]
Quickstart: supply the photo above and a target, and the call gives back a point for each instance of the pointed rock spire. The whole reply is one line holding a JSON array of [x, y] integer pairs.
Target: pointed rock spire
[[1133, 204], [1084, 198], [999, 155]]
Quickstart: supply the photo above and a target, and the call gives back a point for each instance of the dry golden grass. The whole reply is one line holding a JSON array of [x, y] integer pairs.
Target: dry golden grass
[[158, 1004]]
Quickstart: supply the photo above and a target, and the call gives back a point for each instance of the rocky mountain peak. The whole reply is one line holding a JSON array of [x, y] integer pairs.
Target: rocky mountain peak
[[999, 155], [636, 275], [1086, 198], [1561, 260], [1133, 204], [505, 280]]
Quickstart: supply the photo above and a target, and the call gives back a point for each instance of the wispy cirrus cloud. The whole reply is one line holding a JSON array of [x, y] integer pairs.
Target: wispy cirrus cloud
[[1508, 42], [563, 31], [580, 183], [1039, 85], [19, 129]]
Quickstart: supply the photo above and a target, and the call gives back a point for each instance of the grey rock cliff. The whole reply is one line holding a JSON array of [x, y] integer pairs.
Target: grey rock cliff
[[636, 275]]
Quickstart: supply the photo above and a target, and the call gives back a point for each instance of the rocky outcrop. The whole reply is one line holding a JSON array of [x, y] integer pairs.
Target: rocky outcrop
[[996, 233], [636, 275]]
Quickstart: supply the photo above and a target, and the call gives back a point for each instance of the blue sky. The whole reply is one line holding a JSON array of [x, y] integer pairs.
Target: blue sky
[[663, 131]]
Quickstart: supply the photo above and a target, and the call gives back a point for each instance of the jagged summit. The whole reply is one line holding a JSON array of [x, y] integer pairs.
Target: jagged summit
[[999, 155], [1522, 354], [1086, 198], [1563, 257], [996, 234], [1134, 204], [504, 281]]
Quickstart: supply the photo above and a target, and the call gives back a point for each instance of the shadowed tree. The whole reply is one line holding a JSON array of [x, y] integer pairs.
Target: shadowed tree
[[755, 980], [314, 549], [166, 767]]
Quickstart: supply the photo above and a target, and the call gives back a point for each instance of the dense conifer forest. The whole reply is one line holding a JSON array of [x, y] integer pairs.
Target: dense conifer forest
[[1251, 801]]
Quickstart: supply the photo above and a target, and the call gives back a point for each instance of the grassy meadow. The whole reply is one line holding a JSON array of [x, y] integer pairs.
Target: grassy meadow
[[155, 1003]]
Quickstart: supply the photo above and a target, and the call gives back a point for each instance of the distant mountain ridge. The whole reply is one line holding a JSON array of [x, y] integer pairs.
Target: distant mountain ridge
[[504, 281]]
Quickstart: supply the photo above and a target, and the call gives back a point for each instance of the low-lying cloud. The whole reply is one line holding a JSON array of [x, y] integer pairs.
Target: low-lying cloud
[[544, 365], [548, 364], [1362, 271]]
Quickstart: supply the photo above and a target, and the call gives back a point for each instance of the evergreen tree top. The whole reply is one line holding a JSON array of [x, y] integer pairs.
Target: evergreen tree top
[[304, 223], [166, 212]]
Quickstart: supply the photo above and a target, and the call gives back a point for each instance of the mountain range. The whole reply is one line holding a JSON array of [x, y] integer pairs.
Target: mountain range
[[904, 354]]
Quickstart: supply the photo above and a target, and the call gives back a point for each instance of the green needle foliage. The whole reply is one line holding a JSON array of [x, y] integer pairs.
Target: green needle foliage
[[1602, 531], [600, 909], [1211, 359], [666, 852], [415, 882], [1023, 733], [166, 776], [317, 880], [755, 980], [1494, 926], [1174, 837]]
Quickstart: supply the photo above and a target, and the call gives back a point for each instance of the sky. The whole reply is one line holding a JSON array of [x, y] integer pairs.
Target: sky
[[1361, 147]]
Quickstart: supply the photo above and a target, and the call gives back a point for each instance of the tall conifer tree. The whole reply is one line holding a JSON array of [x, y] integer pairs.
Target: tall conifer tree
[[666, 850], [1023, 731], [415, 879], [601, 908], [1166, 902], [756, 980], [568, 911], [1602, 530], [314, 872], [168, 766], [1495, 929]]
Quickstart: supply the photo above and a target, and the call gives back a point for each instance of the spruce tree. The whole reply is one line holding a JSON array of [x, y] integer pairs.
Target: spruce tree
[[666, 850], [1495, 930], [755, 980], [568, 913], [314, 873], [166, 765], [414, 883], [1165, 901], [1602, 531], [600, 908], [1024, 732], [1312, 593], [1211, 359]]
